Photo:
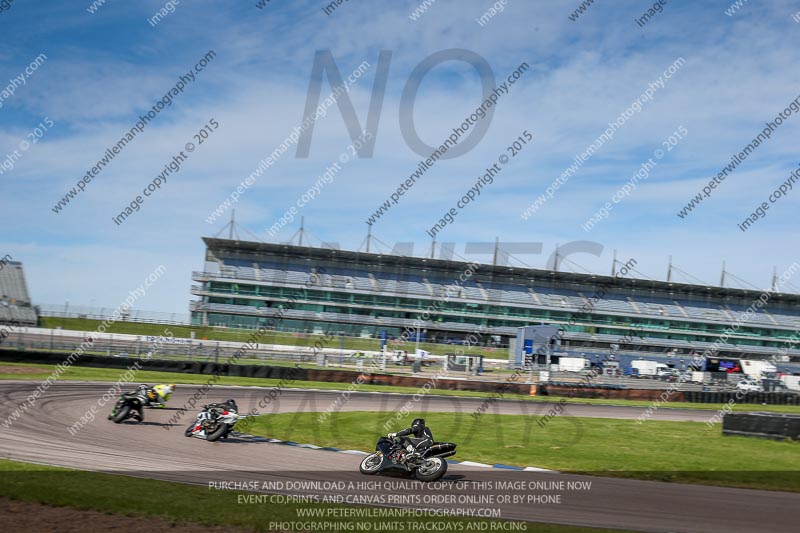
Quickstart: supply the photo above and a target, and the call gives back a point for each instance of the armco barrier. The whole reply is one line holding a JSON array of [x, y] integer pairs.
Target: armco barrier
[[265, 371], [763, 425], [350, 376]]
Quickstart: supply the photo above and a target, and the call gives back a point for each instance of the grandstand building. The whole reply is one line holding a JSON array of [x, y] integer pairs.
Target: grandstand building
[[249, 284], [15, 301]]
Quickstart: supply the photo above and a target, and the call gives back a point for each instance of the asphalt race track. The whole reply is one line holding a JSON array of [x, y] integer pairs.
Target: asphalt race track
[[147, 449]]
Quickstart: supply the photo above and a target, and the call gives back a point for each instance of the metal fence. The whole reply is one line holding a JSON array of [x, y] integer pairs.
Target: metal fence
[[102, 313]]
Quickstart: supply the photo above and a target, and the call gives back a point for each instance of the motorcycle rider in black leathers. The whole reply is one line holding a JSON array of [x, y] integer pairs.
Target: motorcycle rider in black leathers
[[422, 437], [227, 405], [152, 396], [144, 398]]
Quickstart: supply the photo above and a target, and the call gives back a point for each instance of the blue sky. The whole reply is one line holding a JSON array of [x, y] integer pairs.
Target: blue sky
[[104, 69]]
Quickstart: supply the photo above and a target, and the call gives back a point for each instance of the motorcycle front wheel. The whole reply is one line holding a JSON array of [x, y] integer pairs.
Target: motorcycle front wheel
[[190, 430], [433, 468], [122, 414], [371, 463]]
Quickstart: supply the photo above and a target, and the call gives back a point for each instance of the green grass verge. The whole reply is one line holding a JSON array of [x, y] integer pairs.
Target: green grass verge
[[242, 335], [687, 452], [80, 373], [176, 502]]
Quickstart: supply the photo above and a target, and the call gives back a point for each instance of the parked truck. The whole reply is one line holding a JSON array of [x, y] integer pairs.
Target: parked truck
[[758, 369], [791, 382], [573, 364], [647, 369]]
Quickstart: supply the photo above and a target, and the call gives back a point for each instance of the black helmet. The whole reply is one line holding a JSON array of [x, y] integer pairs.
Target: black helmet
[[418, 424], [233, 403]]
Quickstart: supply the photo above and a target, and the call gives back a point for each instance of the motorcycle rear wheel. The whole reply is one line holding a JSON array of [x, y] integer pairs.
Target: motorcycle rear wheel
[[371, 463], [433, 469], [122, 414]]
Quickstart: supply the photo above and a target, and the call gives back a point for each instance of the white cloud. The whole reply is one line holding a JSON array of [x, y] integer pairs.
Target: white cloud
[[583, 75]]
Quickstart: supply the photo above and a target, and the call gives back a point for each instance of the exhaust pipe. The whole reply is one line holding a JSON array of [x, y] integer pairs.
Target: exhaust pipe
[[445, 454], [443, 449]]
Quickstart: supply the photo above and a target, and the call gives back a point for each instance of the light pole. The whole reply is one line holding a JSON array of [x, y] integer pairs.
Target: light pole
[[341, 348], [416, 364]]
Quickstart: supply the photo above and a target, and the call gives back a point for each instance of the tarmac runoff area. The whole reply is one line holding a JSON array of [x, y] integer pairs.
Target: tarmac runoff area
[[304, 474]]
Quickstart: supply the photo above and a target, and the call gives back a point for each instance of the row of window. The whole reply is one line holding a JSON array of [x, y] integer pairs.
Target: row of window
[[412, 307], [252, 322]]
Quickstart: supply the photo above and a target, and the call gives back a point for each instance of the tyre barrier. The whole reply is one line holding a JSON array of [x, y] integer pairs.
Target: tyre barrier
[[769, 398], [608, 392], [773, 426]]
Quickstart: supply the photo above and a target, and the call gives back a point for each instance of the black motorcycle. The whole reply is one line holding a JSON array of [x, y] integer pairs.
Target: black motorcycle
[[399, 455], [129, 405]]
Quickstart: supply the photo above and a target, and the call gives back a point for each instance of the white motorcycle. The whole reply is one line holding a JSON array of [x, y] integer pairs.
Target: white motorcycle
[[213, 423]]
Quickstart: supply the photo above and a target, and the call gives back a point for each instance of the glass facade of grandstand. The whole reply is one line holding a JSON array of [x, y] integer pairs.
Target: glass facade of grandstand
[[361, 294], [15, 300]]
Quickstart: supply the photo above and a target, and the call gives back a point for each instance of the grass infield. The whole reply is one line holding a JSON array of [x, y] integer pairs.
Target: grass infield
[[684, 452]]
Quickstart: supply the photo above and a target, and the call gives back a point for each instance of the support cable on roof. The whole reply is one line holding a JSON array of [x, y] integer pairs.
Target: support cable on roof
[[688, 276], [564, 259], [741, 281], [796, 289]]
